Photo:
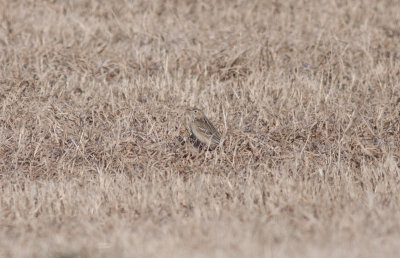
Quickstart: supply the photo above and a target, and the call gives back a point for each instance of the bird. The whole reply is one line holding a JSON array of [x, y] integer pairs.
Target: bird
[[202, 129]]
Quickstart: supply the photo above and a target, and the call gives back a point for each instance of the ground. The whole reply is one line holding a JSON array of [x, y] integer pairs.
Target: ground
[[95, 154]]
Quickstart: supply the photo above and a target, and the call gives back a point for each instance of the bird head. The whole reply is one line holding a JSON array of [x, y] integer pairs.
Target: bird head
[[196, 113]]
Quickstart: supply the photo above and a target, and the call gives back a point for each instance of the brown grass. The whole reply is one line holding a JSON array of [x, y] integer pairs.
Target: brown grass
[[95, 159]]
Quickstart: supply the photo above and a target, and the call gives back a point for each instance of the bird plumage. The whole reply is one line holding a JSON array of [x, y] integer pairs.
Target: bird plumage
[[203, 129]]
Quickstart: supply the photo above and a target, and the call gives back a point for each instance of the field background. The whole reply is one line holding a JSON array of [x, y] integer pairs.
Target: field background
[[94, 153]]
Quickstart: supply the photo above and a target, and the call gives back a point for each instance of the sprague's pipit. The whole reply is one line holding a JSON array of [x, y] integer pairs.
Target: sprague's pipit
[[202, 129]]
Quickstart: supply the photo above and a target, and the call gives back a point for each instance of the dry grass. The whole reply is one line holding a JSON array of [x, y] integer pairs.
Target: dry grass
[[95, 159]]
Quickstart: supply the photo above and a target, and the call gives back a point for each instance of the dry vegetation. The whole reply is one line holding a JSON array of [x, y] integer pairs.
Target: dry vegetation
[[95, 159]]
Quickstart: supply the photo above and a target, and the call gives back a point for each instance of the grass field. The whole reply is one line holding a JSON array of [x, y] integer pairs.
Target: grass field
[[95, 157]]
